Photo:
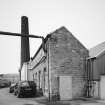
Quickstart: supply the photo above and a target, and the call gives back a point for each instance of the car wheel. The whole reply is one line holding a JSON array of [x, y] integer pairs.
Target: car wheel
[[18, 94], [9, 91], [15, 93]]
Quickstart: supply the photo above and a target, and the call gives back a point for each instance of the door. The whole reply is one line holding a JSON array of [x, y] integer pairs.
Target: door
[[102, 87], [65, 87]]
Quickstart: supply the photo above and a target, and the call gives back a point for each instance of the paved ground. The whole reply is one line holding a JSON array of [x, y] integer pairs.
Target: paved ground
[[7, 98]]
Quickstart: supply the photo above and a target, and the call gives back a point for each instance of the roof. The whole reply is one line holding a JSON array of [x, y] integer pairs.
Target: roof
[[45, 40], [50, 34], [97, 50]]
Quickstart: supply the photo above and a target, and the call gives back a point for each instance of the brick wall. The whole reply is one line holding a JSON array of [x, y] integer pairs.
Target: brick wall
[[67, 57]]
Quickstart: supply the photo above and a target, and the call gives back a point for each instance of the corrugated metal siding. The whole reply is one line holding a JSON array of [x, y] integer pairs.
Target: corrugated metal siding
[[96, 73], [101, 64], [98, 49], [99, 67]]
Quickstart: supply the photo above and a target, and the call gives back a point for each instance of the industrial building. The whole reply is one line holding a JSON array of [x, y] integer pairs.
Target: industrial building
[[62, 67], [59, 71]]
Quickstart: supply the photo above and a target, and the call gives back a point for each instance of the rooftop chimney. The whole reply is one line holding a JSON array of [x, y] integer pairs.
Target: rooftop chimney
[[25, 50]]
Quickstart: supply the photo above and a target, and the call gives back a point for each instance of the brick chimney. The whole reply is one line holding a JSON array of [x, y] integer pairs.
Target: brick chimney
[[25, 48]]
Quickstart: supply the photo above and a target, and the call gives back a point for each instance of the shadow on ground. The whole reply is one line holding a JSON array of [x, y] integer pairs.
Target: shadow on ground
[[45, 101], [41, 100]]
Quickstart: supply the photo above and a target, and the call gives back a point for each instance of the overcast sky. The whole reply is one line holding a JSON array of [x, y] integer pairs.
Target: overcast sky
[[84, 18]]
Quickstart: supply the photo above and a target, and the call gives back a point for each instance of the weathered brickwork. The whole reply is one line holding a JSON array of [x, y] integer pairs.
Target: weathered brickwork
[[65, 56]]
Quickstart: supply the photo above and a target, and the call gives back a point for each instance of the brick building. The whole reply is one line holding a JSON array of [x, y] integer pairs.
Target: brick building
[[60, 69]]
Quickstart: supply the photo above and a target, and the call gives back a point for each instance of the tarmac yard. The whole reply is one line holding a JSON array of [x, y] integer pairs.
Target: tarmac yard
[[7, 98]]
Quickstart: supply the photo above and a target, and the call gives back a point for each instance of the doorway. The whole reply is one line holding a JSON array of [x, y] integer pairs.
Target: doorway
[[65, 87]]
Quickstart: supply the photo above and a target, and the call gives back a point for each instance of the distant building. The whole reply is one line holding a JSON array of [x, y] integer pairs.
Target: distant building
[[10, 77], [60, 70]]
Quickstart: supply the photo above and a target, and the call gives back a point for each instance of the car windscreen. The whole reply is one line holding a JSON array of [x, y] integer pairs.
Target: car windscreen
[[31, 83], [25, 84]]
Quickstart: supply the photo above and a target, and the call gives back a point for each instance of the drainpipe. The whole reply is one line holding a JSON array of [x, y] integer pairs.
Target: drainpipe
[[90, 75], [27, 71], [88, 78], [48, 69]]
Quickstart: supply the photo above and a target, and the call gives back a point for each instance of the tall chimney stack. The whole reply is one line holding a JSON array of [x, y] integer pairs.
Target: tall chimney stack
[[25, 49]]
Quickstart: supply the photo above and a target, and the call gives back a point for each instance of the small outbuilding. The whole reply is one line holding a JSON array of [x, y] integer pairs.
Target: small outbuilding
[[96, 71]]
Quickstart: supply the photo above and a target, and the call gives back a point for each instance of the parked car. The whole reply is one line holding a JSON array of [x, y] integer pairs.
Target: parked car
[[4, 83], [24, 88], [11, 88]]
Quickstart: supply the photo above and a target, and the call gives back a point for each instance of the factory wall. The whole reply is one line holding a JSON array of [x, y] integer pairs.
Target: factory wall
[[64, 60]]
